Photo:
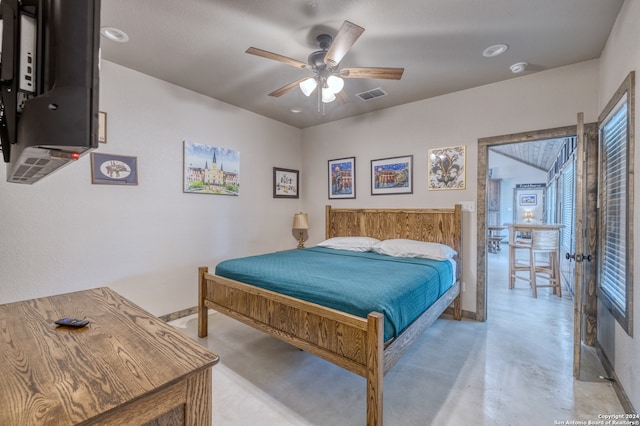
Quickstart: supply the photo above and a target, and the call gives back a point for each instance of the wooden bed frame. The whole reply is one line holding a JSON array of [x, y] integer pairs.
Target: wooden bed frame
[[351, 342]]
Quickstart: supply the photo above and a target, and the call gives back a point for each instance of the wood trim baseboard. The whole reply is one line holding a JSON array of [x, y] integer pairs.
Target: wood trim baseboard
[[179, 314]]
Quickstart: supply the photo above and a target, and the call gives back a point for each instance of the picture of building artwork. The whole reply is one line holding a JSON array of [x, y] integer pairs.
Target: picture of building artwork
[[392, 175], [341, 178], [211, 170]]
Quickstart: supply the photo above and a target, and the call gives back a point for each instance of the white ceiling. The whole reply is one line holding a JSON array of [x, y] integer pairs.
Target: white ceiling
[[200, 45]]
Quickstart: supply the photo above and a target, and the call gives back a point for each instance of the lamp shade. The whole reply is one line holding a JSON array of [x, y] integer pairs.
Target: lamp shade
[[336, 84], [300, 221], [308, 86], [327, 95]]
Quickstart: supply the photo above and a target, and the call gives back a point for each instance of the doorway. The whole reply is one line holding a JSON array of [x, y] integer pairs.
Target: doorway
[[535, 184], [483, 170], [585, 187]]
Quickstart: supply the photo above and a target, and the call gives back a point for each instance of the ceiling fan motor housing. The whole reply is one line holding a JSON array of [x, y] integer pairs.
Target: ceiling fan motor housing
[[316, 59], [324, 41]]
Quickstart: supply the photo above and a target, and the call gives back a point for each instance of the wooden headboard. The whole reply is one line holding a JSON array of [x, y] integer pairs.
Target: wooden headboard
[[442, 226]]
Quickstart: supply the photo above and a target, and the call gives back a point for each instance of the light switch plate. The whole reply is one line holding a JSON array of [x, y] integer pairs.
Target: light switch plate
[[468, 206]]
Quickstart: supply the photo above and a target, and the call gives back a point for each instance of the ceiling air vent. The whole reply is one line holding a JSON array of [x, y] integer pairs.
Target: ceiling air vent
[[372, 94]]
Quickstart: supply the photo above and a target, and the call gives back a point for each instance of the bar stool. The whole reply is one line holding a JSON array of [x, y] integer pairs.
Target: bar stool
[[516, 247], [542, 262]]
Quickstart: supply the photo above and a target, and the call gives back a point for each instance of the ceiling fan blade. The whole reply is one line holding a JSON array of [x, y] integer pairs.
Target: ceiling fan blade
[[276, 57], [284, 89], [342, 98], [348, 34], [384, 73]]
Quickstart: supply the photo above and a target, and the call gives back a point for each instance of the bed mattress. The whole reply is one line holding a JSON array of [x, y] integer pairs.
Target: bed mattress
[[358, 283]]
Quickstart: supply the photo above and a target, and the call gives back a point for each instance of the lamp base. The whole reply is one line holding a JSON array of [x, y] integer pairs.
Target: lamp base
[[301, 241]]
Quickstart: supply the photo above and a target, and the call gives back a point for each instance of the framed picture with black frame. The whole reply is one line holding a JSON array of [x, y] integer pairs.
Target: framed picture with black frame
[[342, 178], [392, 175], [113, 169], [285, 183]]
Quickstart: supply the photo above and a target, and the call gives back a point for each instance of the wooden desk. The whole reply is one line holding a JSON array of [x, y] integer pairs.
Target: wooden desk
[[125, 367]]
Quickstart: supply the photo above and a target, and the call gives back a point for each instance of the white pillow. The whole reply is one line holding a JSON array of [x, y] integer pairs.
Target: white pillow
[[350, 243], [412, 248]]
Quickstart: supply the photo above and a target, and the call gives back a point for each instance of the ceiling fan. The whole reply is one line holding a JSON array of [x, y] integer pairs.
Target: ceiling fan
[[324, 64]]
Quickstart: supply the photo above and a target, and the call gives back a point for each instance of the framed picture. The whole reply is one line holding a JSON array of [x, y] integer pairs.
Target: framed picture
[[528, 199], [285, 183], [113, 169], [102, 127], [392, 175], [447, 168], [342, 178], [211, 170]]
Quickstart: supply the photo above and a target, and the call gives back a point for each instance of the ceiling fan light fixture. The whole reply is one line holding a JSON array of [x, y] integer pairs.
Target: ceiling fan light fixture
[[328, 95], [335, 83], [308, 86]]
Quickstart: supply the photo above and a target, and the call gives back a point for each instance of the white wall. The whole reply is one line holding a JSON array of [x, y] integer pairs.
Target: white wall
[[146, 242], [537, 101], [620, 56], [64, 234]]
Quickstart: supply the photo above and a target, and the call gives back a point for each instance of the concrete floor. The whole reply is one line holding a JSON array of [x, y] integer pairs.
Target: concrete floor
[[514, 369]]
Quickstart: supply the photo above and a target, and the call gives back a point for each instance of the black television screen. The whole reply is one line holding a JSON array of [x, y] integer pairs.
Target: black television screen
[[49, 84]]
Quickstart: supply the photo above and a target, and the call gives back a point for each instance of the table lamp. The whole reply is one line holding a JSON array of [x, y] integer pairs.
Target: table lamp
[[528, 215], [300, 224]]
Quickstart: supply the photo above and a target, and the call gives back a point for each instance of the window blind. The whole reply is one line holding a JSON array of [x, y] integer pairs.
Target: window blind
[[613, 281], [568, 207]]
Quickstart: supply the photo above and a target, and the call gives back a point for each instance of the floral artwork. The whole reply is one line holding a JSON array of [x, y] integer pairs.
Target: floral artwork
[[285, 183], [447, 168]]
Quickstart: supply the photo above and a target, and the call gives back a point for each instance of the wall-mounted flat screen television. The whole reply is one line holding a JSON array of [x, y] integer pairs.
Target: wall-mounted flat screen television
[[49, 84]]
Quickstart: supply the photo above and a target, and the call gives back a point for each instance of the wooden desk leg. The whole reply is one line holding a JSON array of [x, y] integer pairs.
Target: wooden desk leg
[[197, 410]]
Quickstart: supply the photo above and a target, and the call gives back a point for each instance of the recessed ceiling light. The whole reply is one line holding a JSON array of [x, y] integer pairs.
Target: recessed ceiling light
[[495, 50], [518, 67], [296, 110], [114, 34]]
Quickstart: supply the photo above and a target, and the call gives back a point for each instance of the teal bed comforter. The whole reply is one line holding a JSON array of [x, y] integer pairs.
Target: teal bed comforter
[[354, 282]]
